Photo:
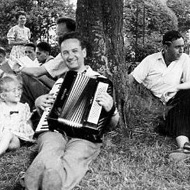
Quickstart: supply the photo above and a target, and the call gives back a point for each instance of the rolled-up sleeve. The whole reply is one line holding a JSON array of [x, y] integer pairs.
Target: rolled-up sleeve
[[186, 68], [56, 66], [141, 71]]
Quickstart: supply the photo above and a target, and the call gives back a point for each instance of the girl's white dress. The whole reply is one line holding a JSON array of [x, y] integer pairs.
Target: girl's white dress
[[17, 33], [16, 121]]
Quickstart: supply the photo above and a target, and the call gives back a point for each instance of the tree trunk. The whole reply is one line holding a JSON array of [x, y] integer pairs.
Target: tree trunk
[[101, 23]]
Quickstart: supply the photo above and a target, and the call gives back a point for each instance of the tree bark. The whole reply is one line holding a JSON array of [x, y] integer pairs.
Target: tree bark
[[101, 24]]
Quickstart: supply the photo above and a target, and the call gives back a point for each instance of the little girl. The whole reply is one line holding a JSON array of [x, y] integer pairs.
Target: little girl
[[14, 116]]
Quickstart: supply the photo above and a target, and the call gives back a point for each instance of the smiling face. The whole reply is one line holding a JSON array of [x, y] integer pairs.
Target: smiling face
[[73, 54], [12, 92], [22, 20]]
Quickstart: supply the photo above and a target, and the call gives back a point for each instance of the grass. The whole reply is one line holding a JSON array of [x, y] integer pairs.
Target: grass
[[132, 158], [12, 164]]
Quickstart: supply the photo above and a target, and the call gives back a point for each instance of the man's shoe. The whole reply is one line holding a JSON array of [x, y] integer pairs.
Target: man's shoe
[[51, 180], [181, 153]]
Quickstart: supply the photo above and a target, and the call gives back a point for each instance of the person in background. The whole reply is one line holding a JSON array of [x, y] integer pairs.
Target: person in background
[[167, 75], [32, 86], [63, 160], [18, 36], [5, 64], [30, 51], [2, 56], [15, 122], [43, 52], [56, 66]]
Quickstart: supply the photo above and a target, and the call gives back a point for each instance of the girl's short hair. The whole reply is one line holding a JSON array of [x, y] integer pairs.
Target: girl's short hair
[[7, 78]]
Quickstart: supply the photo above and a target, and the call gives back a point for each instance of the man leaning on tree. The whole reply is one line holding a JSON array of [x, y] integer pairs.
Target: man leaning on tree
[[63, 160]]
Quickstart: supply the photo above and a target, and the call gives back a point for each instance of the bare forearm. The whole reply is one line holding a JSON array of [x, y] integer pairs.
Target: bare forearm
[[34, 71], [114, 119]]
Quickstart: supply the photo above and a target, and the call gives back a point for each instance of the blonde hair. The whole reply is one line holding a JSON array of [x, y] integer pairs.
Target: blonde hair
[[7, 78]]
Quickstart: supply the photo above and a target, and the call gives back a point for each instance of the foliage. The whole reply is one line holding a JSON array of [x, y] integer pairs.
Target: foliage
[[141, 52], [181, 9], [132, 158], [42, 15], [157, 17], [144, 24], [6, 15]]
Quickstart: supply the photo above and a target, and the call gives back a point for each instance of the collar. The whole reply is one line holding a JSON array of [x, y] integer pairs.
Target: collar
[[161, 55], [90, 72]]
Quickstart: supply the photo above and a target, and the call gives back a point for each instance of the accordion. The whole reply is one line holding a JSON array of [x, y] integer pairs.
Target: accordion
[[76, 111]]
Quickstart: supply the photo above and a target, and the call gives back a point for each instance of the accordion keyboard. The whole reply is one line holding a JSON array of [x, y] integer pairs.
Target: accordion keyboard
[[43, 124]]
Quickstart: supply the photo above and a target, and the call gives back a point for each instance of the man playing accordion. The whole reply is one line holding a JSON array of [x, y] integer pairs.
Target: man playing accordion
[[62, 160]]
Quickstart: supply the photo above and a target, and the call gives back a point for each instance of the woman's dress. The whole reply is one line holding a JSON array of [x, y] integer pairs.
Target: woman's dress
[[17, 33]]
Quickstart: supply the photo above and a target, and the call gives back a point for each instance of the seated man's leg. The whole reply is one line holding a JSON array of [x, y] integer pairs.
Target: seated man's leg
[[60, 164], [78, 155], [32, 89], [51, 149], [178, 120]]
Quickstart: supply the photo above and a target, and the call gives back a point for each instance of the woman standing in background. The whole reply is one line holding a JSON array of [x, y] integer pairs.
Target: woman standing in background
[[18, 36]]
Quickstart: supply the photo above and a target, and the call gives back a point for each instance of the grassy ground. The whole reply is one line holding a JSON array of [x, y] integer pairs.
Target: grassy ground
[[132, 158], [139, 161]]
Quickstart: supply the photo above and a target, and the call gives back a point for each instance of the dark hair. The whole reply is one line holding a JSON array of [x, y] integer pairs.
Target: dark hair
[[70, 23], [73, 35], [171, 36], [31, 45], [20, 13], [2, 51], [44, 46]]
